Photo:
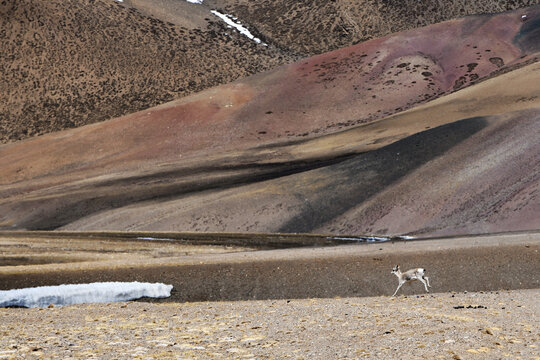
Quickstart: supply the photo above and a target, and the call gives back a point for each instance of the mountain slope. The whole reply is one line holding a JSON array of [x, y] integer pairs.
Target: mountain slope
[[313, 27], [472, 172], [163, 168], [69, 63], [65, 64]]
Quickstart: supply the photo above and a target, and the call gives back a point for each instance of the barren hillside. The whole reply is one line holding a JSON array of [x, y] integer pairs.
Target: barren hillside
[[324, 144], [64, 64], [314, 27]]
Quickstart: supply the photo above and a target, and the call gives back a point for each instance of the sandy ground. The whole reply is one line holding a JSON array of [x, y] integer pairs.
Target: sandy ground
[[493, 325]]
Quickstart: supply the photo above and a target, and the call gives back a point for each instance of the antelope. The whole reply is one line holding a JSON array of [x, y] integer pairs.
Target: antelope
[[410, 275]]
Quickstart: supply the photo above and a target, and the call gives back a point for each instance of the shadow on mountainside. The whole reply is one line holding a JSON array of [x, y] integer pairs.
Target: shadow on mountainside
[[353, 180], [357, 179]]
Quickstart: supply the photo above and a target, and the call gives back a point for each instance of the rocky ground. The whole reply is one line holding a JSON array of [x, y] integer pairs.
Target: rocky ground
[[491, 325]]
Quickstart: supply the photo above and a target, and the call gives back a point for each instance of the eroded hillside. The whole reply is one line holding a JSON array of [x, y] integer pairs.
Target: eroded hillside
[[340, 142], [64, 64]]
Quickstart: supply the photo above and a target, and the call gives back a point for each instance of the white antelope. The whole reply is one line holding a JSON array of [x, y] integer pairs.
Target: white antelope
[[410, 275]]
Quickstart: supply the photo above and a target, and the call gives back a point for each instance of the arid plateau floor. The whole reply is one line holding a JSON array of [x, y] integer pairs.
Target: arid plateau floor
[[298, 303], [490, 325]]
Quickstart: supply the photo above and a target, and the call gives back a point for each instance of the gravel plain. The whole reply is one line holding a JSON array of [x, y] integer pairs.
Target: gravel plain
[[482, 325]]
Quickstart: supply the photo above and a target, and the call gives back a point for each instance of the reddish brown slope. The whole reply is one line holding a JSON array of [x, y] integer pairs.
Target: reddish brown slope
[[68, 63], [319, 95], [185, 146], [474, 173]]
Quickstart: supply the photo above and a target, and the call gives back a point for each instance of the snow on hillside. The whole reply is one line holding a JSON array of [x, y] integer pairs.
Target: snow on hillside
[[99, 292], [230, 20]]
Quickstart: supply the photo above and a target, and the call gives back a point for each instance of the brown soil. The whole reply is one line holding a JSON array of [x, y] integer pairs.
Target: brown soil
[[314, 27], [28, 249], [64, 64], [265, 154], [490, 325]]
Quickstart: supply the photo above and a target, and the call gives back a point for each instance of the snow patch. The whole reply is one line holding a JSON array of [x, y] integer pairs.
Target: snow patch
[[154, 239], [361, 238], [99, 292], [231, 21], [195, 1]]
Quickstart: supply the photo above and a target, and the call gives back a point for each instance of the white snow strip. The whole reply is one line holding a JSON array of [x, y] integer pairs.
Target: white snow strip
[[99, 292], [406, 237], [376, 239], [195, 1], [154, 239], [237, 25], [362, 238]]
